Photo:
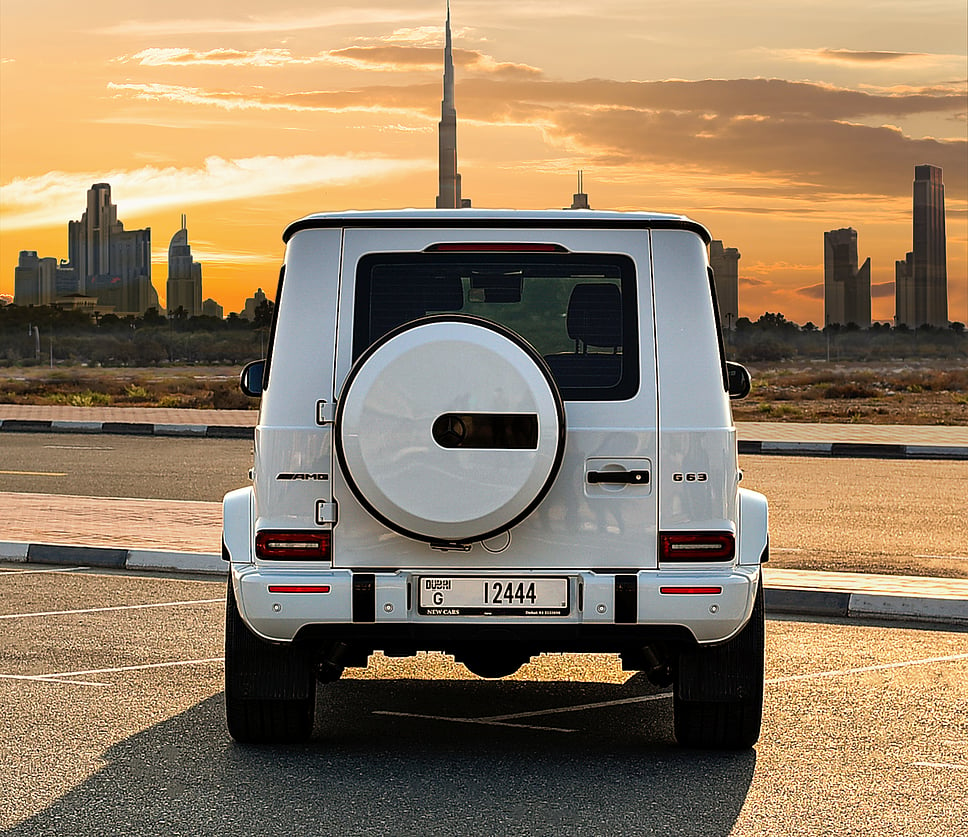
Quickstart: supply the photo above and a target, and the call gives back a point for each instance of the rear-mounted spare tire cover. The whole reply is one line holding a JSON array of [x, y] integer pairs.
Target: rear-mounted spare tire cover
[[450, 429]]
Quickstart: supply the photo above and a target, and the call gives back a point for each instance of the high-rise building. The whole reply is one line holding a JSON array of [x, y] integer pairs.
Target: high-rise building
[[921, 279], [35, 279], [448, 190], [210, 308], [579, 200], [252, 305], [184, 288], [725, 264], [110, 262], [846, 289]]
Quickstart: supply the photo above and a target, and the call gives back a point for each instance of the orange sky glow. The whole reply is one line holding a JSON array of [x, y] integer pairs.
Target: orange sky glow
[[769, 122]]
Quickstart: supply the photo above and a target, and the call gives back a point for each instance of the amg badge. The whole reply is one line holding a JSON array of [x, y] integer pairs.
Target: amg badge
[[309, 477]]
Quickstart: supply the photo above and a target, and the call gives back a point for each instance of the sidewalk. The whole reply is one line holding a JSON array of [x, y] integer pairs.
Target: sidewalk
[[185, 536], [776, 438]]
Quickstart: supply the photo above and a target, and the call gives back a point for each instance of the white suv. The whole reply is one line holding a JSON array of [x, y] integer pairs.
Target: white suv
[[495, 434]]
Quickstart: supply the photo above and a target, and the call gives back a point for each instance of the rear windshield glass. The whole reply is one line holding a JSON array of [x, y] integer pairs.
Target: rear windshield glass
[[577, 310]]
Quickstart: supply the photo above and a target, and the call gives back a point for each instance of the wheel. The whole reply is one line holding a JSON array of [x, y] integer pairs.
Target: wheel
[[270, 689], [450, 429], [718, 698]]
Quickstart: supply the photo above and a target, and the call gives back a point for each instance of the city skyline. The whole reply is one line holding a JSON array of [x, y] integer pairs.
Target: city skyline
[[768, 132], [847, 287]]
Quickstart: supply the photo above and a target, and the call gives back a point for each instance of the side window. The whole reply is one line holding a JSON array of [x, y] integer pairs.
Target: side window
[[272, 328], [719, 328], [579, 311]]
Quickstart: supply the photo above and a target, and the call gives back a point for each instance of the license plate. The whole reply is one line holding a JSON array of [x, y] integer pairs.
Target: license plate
[[494, 596]]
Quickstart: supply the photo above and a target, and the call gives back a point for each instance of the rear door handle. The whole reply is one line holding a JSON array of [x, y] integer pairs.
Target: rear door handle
[[618, 477]]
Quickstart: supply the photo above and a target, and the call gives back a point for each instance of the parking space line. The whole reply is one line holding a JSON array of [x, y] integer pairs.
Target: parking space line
[[64, 676], [884, 667], [34, 473], [48, 678], [578, 708], [940, 764], [107, 609], [483, 721], [502, 720], [40, 572]]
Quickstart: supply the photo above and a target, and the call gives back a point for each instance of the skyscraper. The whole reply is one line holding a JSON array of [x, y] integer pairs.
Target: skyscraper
[[448, 190], [921, 279], [846, 290], [184, 289], [34, 280], [725, 264], [111, 263], [580, 199]]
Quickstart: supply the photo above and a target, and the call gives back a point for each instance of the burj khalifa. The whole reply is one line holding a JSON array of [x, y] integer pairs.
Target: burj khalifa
[[448, 191]]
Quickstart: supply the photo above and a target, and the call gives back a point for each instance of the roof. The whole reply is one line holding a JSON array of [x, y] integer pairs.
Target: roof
[[478, 218]]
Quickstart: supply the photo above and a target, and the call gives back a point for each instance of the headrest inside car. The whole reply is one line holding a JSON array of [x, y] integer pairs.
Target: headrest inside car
[[595, 314]]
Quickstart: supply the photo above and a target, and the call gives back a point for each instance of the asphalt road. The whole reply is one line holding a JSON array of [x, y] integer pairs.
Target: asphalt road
[[113, 724], [150, 467], [862, 515]]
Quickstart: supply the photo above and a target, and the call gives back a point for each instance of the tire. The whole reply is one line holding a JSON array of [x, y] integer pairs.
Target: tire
[[450, 429], [270, 689], [718, 698]]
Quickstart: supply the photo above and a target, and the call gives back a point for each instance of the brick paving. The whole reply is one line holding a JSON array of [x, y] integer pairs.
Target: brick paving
[[164, 525], [133, 415]]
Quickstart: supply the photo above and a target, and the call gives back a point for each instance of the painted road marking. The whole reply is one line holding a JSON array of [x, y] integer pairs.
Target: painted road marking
[[579, 708], [62, 677], [106, 609], [40, 572], [940, 764], [482, 721], [34, 473], [863, 669], [502, 720], [76, 447]]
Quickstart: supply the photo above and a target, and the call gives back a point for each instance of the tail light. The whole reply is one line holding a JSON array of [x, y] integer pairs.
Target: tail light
[[293, 546], [697, 546]]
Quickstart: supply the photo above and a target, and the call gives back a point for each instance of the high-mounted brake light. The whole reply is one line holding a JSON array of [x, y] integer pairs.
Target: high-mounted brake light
[[495, 247], [298, 588], [696, 546], [690, 591], [293, 546]]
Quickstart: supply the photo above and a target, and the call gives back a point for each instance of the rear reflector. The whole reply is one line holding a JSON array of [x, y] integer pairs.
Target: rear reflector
[[302, 588], [696, 546], [495, 247], [293, 546], [690, 591]]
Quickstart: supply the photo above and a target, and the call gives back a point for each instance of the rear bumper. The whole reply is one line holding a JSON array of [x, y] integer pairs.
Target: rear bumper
[[607, 611]]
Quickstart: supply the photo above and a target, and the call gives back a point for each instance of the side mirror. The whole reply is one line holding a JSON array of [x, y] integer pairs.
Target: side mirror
[[739, 380], [250, 381]]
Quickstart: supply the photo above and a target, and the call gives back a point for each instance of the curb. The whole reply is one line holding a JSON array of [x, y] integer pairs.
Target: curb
[[121, 428], [790, 602], [843, 450], [780, 601], [108, 558], [854, 450]]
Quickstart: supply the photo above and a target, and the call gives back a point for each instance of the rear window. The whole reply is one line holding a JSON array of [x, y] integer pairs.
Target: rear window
[[577, 310]]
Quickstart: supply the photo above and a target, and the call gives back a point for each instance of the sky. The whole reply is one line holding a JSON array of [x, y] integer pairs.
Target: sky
[[768, 122]]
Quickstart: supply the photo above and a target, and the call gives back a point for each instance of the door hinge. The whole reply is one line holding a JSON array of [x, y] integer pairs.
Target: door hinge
[[326, 512], [325, 412]]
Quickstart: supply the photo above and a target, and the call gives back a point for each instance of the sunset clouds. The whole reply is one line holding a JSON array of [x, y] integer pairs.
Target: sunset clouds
[[810, 137], [770, 122], [56, 196]]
